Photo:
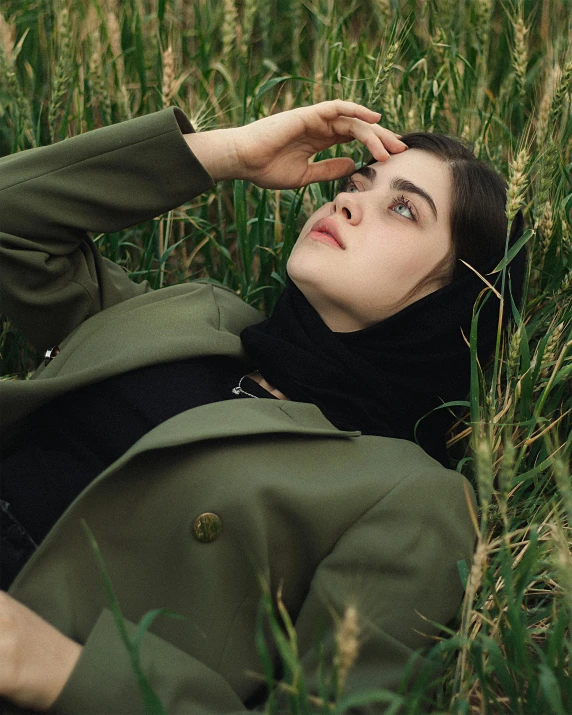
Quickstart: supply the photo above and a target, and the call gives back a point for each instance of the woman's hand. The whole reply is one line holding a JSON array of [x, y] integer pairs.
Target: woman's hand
[[36, 659], [274, 152]]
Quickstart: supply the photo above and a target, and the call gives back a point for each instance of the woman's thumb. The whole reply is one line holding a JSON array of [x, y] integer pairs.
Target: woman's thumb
[[330, 169]]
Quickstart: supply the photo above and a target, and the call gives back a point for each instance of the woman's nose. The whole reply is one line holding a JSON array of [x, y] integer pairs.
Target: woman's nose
[[348, 207]]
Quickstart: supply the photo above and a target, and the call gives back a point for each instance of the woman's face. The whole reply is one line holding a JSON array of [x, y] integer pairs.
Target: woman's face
[[359, 255]]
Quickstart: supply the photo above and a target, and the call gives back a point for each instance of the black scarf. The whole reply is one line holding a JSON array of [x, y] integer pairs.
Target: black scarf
[[381, 380]]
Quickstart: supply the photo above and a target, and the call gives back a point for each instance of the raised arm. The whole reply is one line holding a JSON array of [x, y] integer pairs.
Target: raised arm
[[51, 198], [53, 277]]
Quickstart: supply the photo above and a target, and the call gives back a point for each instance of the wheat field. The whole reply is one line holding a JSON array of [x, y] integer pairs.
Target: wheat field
[[498, 75]]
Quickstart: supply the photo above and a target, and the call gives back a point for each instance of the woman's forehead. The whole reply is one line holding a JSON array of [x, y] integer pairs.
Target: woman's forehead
[[419, 162]]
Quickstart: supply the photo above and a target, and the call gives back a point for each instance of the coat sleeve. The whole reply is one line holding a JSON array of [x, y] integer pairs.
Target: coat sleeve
[[397, 565], [52, 275]]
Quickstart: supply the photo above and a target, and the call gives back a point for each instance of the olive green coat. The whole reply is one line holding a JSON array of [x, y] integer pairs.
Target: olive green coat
[[333, 517]]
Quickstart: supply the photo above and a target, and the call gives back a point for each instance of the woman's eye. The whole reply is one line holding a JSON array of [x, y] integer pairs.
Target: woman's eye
[[403, 210], [403, 207], [348, 186]]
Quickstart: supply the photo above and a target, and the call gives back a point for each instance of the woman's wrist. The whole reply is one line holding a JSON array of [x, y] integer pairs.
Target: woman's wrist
[[216, 151], [36, 659], [60, 671], [40, 682]]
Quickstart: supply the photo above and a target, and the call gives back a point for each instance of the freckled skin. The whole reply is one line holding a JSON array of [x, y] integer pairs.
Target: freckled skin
[[386, 251]]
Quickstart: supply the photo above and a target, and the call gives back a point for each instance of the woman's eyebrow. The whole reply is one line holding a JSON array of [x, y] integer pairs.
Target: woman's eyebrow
[[367, 172], [400, 184]]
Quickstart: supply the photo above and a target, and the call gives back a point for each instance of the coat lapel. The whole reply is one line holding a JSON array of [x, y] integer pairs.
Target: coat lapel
[[231, 419], [226, 420], [238, 418], [215, 421]]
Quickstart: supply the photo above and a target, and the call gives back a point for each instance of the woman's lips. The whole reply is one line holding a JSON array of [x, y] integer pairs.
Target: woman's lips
[[326, 230]]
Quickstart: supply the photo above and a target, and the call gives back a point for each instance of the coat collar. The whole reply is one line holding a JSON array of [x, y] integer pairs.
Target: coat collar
[[235, 418]]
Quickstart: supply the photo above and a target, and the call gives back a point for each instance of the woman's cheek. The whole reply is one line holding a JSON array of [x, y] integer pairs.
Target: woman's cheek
[[292, 260], [301, 264]]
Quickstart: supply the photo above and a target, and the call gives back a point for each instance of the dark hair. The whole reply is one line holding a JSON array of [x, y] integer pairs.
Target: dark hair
[[478, 221]]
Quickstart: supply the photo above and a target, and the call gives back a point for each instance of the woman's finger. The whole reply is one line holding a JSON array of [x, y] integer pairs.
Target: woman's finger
[[329, 169], [376, 139], [391, 140], [340, 108]]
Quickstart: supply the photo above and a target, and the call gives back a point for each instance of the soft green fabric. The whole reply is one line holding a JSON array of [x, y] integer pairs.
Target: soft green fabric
[[334, 517]]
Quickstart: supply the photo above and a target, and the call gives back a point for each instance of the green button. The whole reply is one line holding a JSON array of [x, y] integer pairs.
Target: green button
[[207, 527]]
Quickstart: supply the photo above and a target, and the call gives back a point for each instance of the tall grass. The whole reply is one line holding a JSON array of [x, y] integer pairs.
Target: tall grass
[[496, 73]]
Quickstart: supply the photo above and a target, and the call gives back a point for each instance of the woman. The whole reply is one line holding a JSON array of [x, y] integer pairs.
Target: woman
[[284, 449]]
